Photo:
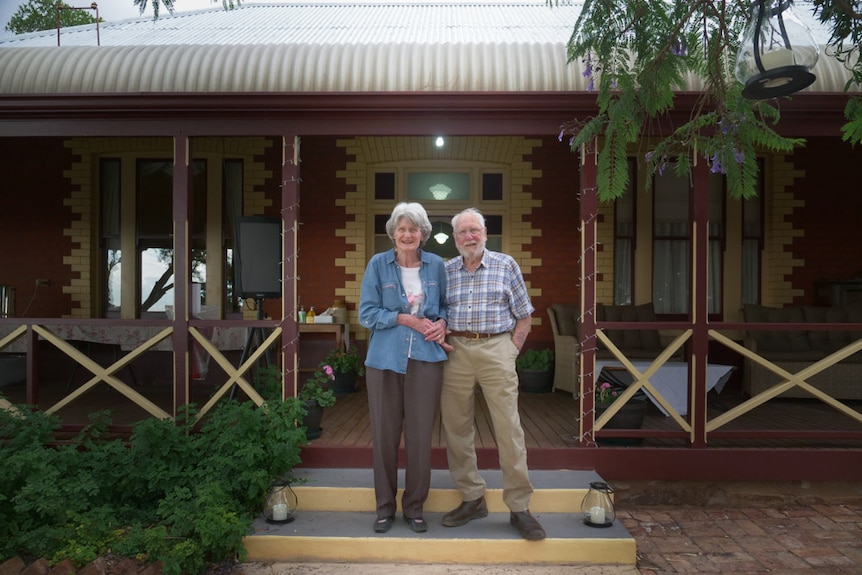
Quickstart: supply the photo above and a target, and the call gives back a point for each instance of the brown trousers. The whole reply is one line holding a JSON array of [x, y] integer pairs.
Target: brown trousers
[[409, 404]]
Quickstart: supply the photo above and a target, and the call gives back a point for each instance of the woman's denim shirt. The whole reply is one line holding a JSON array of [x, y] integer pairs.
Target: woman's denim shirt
[[381, 300]]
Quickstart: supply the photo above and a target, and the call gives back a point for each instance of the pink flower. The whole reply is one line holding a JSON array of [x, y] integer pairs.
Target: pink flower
[[328, 371]]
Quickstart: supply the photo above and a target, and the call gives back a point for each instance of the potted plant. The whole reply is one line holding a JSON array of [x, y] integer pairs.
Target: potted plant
[[316, 395], [347, 366], [536, 370]]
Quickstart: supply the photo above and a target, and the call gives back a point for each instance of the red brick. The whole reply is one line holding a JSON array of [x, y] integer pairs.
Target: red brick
[[125, 567], [38, 567], [65, 567], [97, 567], [12, 566]]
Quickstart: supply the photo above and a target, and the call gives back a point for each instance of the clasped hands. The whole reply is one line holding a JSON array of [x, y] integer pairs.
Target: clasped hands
[[435, 331]]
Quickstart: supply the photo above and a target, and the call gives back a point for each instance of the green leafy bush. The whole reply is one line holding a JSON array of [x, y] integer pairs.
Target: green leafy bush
[[183, 493], [535, 360]]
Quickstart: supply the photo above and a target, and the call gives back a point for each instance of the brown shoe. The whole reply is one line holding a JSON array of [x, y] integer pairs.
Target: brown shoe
[[466, 512], [529, 527]]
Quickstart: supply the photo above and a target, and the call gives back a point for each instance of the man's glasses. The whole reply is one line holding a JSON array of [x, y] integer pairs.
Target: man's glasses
[[469, 232]]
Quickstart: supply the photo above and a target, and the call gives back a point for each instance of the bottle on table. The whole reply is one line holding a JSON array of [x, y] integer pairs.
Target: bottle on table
[[309, 317]]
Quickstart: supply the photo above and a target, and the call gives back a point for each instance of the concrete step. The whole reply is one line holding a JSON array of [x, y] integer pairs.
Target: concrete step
[[335, 514]]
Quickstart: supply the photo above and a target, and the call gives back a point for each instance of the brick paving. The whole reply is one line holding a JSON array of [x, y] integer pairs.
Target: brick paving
[[785, 534]]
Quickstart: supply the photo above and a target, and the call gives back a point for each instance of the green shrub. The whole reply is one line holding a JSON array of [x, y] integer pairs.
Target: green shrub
[[181, 492], [535, 360]]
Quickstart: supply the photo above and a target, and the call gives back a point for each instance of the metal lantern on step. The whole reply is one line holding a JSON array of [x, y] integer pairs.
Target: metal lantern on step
[[597, 506], [280, 503], [777, 52]]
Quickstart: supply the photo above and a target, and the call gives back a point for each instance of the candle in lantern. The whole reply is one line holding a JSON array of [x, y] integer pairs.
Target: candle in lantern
[[597, 514], [279, 512], [777, 58]]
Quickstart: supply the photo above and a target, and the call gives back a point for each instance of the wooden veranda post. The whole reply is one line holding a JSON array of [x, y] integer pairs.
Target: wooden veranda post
[[699, 301], [290, 223], [182, 212], [587, 336]]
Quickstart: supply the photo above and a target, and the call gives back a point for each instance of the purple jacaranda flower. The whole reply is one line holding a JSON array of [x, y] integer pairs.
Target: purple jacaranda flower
[[588, 67], [716, 167], [560, 137], [738, 156], [678, 48], [648, 156]]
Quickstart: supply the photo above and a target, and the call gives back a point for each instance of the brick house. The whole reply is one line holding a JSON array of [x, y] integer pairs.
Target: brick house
[[155, 141]]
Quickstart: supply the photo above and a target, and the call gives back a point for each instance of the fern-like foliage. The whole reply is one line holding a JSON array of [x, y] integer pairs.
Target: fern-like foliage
[[638, 54]]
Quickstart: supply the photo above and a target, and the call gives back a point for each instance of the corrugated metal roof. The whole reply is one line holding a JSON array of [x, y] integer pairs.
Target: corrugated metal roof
[[335, 46], [333, 23]]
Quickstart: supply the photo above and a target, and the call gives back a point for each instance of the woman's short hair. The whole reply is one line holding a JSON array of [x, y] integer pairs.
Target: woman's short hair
[[415, 213]]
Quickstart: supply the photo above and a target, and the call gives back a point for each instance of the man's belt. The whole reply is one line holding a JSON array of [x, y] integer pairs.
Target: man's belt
[[474, 335]]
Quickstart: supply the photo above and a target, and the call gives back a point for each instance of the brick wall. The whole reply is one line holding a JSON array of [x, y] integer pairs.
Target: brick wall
[[828, 244], [33, 224]]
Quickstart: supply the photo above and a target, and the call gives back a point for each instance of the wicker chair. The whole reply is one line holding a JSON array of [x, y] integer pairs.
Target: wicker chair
[[564, 325]]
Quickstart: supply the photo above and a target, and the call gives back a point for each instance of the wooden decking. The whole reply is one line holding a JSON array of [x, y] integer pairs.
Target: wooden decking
[[549, 421]]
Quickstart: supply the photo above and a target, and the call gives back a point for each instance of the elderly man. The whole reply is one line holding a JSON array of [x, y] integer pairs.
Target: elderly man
[[489, 318]]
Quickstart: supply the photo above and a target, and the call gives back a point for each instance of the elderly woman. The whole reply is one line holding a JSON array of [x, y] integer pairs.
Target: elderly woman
[[401, 302]]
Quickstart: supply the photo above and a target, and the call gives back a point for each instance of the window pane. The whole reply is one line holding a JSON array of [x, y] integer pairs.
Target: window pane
[[492, 187], [670, 244], [384, 186], [114, 268], [232, 193], [752, 243], [157, 279], [109, 204], [155, 240], [716, 243], [438, 186], [199, 190], [624, 239], [155, 198], [442, 242]]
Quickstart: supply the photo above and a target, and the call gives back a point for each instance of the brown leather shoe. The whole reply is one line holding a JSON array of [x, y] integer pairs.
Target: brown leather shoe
[[529, 527], [466, 512]]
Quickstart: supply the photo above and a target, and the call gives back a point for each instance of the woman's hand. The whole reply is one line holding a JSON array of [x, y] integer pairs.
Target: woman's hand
[[436, 331]]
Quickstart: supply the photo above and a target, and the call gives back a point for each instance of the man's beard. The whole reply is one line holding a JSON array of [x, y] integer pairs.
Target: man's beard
[[472, 251]]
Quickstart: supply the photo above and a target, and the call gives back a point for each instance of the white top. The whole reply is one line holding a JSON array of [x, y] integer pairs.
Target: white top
[[412, 288]]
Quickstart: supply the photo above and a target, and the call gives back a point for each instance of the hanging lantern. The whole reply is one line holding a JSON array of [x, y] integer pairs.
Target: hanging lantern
[[777, 52], [280, 503], [597, 507]]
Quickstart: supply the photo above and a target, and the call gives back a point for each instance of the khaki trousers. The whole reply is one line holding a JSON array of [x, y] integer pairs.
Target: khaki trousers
[[409, 404], [490, 364]]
